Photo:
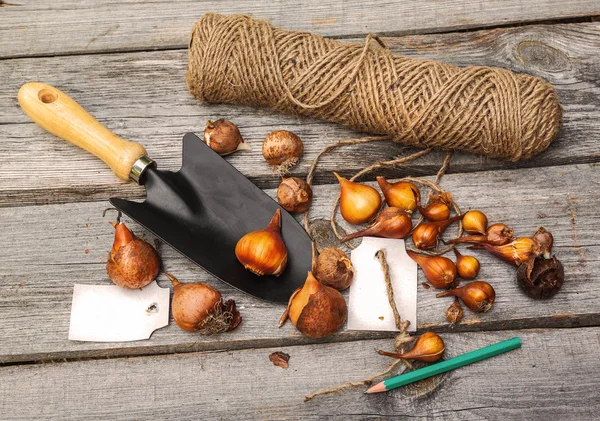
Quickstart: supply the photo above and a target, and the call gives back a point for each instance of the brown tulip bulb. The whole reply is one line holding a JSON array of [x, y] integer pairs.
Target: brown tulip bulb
[[263, 252], [199, 307], [475, 222], [466, 266], [479, 296], [132, 262], [224, 137], [439, 270], [334, 269], [516, 252], [426, 236], [544, 279], [402, 194], [359, 203], [294, 195], [390, 223], [316, 310], [454, 313], [282, 149], [429, 348]]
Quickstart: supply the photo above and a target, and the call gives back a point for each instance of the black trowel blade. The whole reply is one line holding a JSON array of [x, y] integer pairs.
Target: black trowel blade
[[205, 208]]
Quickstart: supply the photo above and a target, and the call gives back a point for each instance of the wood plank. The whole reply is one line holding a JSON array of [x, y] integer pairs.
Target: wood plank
[[36, 28], [142, 96], [555, 375], [44, 250]]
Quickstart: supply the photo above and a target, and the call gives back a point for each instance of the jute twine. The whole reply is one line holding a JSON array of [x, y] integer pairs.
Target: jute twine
[[402, 338], [485, 110]]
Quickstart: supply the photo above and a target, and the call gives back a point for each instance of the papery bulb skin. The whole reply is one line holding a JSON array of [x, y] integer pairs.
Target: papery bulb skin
[[359, 203], [390, 223], [402, 194], [334, 269], [466, 266], [454, 313], [224, 137], [544, 239], [543, 278], [439, 270], [429, 348], [516, 252], [294, 195], [475, 222], [478, 296], [316, 310], [132, 262], [263, 252]]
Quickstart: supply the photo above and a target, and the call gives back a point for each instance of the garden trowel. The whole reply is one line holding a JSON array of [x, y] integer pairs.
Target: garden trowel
[[202, 210]]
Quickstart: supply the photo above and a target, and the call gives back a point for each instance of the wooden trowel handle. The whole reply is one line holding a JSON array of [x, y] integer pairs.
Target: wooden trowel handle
[[56, 112]]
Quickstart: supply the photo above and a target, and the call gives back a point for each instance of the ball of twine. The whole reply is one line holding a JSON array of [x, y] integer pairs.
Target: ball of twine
[[485, 110]]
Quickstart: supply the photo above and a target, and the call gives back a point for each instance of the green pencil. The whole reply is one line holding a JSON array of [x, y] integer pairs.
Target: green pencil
[[447, 365]]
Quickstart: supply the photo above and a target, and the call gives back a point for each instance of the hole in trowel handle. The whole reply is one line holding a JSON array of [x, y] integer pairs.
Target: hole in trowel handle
[[47, 96]]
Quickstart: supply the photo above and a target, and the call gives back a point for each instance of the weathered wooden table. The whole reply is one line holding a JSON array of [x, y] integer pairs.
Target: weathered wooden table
[[125, 62]]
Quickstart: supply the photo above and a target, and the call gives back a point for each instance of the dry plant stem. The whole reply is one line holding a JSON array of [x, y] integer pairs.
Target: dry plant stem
[[402, 338]]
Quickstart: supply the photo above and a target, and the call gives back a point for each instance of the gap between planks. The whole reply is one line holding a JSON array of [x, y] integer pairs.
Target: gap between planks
[[554, 374], [55, 27], [59, 245], [113, 91], [353, 37]]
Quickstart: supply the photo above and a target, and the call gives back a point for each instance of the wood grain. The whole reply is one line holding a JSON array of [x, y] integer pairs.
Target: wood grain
[[64, 26], [142, 97], [44, 250], [555, 375]]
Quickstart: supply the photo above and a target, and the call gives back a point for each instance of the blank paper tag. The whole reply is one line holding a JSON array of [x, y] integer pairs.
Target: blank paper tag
[[108, 313], [369, 308]]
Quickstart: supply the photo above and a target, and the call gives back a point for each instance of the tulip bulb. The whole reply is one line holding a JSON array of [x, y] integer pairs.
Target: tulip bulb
[[358, 203], [429, 348], [132, 262], [479, 296], [294, 194], [541, 277], [390, 223], [438, 209], [263, 252], [316, 310], [516, 252], [454, 313], [224, 137], [475, 222], [199, 307], [427, 235], [466, 266], [496, 235], [402, 194], [334, 269], [439, 271], [282, 149]]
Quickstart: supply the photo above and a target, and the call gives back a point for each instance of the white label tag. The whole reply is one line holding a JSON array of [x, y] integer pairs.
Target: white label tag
[[369, 308], [109, 313]]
